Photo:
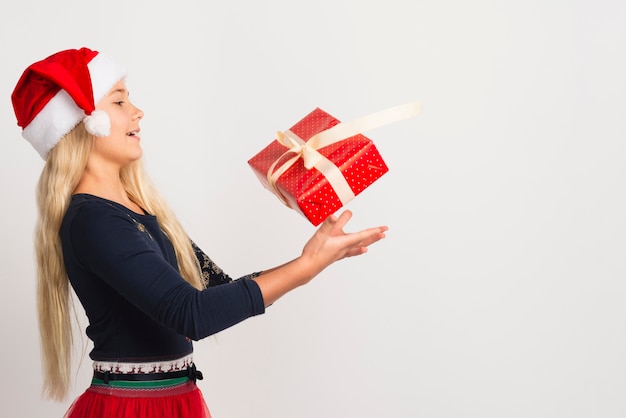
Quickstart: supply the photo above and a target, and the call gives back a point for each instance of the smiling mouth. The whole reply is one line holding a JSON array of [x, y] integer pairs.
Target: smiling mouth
[[133, 133]]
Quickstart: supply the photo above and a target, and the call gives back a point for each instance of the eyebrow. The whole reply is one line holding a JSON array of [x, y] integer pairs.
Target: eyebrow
[[119, 91]]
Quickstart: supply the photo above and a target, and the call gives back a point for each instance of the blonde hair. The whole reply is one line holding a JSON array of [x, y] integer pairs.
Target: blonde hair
[[60, 176]]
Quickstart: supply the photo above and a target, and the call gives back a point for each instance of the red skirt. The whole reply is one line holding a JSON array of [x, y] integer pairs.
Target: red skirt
[[174, 398]]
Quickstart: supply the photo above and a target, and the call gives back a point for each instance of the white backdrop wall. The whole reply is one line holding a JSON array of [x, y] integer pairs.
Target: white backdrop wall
[[500, 289]]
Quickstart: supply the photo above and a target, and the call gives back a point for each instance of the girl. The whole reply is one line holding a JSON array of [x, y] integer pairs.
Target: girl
[[105, 232]]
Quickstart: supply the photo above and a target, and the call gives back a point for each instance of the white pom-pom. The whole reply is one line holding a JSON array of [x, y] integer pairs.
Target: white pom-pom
[[98, 123]]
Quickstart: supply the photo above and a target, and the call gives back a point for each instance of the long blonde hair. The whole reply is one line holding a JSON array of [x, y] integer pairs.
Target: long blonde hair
[[60, 176]]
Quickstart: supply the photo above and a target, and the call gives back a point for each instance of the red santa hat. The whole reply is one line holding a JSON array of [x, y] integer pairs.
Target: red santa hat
[[56, 94]]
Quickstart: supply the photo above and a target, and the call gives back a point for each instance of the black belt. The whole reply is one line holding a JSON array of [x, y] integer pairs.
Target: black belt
[[191, 372]]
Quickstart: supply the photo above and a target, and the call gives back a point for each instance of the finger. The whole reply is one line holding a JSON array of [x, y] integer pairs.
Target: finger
[[370, 236], [328, 223], [356, 251], [333, 222], [343, 219]]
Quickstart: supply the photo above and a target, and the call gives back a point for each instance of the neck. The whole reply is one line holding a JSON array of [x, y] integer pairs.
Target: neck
[[106, 184]]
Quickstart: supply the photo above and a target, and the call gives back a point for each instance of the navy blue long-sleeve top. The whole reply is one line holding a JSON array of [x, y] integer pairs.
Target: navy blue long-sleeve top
[[123, 269]]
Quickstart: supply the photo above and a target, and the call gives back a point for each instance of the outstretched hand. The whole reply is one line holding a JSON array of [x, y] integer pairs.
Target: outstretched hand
[[330, 243]]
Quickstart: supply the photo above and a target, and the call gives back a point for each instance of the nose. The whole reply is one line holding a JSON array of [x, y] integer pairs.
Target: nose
[[138, 114]]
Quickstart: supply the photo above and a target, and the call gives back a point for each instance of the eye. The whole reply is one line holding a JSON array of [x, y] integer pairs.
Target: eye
[[119, 103]]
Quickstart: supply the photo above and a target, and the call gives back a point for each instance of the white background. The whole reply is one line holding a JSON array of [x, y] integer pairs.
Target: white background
[[500, 289]]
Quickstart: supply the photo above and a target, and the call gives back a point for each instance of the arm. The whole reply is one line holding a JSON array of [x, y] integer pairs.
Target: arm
[[329, 244], [103, 246]]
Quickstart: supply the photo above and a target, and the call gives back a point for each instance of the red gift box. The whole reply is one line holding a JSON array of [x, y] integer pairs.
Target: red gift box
[[309, 191], [316, 170]]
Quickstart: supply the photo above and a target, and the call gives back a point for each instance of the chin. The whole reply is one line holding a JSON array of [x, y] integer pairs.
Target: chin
[[133, 158], [138, 154]]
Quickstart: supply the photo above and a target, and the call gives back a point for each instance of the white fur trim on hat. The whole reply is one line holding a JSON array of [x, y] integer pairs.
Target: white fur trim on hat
[[61, 114], [54, 121], [104, 74]]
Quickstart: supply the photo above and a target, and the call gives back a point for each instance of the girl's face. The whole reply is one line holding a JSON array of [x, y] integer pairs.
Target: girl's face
[[122, 146]]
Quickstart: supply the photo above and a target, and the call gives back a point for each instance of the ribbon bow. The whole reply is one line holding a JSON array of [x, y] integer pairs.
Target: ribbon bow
[[306, 150]]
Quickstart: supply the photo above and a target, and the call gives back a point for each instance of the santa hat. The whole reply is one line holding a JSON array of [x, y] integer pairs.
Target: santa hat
[[56, 94]]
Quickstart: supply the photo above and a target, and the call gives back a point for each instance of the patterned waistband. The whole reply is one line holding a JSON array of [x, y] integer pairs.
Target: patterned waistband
[[168, 366], [153, 375]]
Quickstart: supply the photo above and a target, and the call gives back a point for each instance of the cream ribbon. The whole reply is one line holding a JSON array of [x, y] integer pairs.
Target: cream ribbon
[[312, 158]]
